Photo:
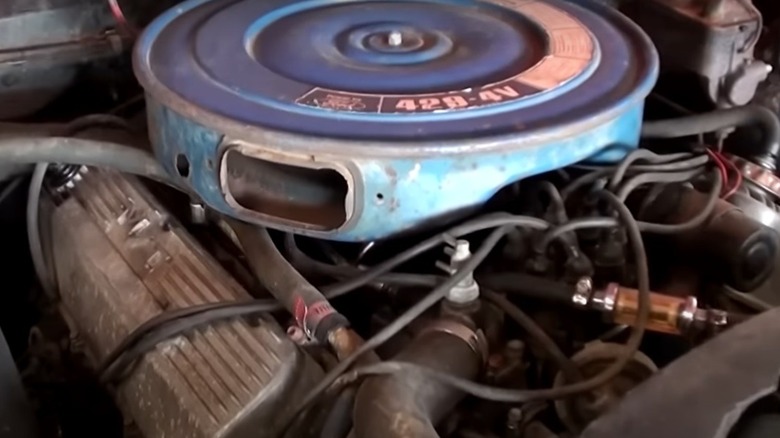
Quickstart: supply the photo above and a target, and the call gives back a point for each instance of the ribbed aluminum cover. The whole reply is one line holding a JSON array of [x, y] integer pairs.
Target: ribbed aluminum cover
[[121, 259]]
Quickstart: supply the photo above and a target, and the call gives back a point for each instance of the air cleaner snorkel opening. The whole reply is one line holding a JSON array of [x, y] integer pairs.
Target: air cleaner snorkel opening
[[286, 191]]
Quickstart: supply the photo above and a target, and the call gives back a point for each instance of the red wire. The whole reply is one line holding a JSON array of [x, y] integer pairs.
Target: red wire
[[721, 161], [119, 16], [737, 174], [724, 173]]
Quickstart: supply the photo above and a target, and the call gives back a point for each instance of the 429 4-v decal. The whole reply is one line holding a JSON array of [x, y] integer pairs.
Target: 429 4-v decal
[[394, 104], [465, 99], [571, 51]]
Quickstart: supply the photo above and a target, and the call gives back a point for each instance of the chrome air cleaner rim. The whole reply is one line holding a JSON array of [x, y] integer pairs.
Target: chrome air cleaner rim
[[604, 61]]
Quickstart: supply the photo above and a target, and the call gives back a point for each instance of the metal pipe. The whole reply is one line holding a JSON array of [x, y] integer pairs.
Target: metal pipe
[[410, 404]]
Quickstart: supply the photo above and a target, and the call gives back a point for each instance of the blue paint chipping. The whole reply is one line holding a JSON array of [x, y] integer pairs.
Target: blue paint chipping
[[408, 169]]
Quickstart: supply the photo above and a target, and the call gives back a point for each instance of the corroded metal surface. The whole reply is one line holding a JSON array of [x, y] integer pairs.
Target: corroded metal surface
[[721, 36], [121, 260]]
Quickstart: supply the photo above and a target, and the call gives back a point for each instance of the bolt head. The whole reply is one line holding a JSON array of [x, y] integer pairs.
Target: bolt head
[[395, 38]]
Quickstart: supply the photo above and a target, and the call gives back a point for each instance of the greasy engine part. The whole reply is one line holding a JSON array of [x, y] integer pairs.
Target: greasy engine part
[[42, 43], [719, 40], [758, 199], [538, 229], [763, 184], [733, 247], [577, 412], [359, 120], [704, 393], [120, 260], [16, 419], [411, 405]]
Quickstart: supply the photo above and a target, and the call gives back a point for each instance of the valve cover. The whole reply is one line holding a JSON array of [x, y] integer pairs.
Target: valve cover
[[121, 259]]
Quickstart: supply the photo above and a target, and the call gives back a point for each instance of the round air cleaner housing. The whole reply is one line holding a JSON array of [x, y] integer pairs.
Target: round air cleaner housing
[[356, 120]]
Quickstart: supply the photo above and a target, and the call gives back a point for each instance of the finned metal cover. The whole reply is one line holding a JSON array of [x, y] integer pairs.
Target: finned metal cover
[[120, 260]]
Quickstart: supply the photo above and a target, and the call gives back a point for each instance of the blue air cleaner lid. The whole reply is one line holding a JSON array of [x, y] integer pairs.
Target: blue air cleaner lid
[[393, 70]]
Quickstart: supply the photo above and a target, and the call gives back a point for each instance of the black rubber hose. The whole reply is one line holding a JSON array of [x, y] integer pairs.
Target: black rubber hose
[[722, 119], [306, 303], [65, 150], [339, 420], [529, 286]]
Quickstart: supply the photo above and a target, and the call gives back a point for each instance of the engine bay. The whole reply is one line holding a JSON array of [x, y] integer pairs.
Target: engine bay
[[390, 218]]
